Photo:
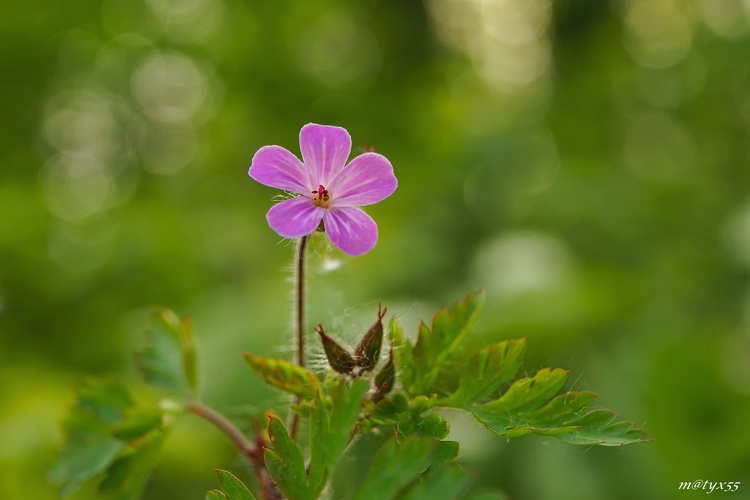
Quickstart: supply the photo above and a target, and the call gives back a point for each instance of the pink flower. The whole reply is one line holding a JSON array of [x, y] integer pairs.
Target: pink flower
[[328, 188]]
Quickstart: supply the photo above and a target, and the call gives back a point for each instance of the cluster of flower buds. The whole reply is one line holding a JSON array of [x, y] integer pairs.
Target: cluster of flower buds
[[365, 356]]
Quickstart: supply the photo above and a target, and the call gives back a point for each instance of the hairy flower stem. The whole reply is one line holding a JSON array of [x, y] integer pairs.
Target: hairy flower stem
[[253, 453], [300, 321], [301, 301]]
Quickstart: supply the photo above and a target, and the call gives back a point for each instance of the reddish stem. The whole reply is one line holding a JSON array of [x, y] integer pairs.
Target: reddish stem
[[300, 323], [252, 452]]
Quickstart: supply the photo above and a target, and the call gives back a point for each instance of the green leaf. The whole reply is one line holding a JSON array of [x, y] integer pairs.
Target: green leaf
[[431, 425], [446, 482], [331, 429], [562, 409], [189, 354], [567, 417], [285, 463], [168, 361], [445, 451], [394, 467], [338, 357], [438, 364], [367, 352], [597, 427], [285, 375], [215, 495], [388, 411], [435, 345], [486, 371], [403, 354], [106, 399], [137, 422], [320, 456], [232, 487], [528, 393], [90, 446], [127, 475], [435, 428]]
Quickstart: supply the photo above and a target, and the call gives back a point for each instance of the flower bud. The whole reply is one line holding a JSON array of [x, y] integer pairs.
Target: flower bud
[[368, 350], [338, 357], [385, 379]]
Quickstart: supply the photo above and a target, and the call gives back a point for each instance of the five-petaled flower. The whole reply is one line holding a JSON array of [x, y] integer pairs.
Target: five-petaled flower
[[328, 188]]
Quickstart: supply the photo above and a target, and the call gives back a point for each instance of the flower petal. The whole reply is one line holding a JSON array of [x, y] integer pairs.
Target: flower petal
[[325, 150], [276, 167], [294, 218], [366, 180], [351, 230]]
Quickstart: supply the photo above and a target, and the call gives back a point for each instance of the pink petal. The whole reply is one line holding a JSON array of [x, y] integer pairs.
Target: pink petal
[[366, 180], [276, 167], [294, 218], [325, 150], [351, 230]]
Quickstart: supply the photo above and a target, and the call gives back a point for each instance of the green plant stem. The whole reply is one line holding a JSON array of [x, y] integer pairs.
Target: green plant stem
[[300, 321], [253, 453]]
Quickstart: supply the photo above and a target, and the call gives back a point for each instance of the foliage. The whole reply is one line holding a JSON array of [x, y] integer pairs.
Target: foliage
[[622, 183], [398, 395], [231, 488], [109, 434]]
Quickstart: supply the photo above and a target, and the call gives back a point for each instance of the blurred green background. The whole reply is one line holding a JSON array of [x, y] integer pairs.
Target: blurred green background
[[585, 161]]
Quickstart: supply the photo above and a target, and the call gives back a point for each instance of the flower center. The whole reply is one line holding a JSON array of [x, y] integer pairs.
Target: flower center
[[320, 197]]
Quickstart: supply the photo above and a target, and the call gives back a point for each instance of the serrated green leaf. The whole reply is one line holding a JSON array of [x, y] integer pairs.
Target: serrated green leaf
[[331, 429], [394, 467], [486, 371], [434, 426], [445, 482], [285, 463], [160, 362], [413, 422], [215, 495], [189, 354], [181, 331], [421, 404], [285, 375], [445, 451], [319, 455], [85, 456], [345, 405], [527, 393], [89, 444], [403, 355], [232, 487], [388, 411], [567, 417], [597, 427], [127, 475], [106, 399], [562, 410], [136, 423], [435, 345], [338, 357]]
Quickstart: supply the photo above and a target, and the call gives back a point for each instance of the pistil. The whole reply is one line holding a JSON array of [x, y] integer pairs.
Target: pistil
[[320, 197]]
